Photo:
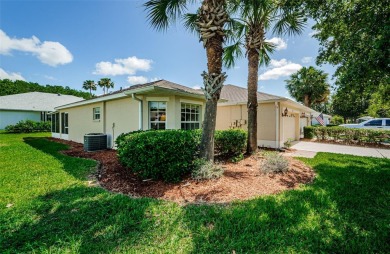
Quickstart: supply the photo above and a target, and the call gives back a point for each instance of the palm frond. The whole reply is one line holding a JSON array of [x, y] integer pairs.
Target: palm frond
[[264, 53], [162, 13], [190, 22], [231, 53], [290, 22]]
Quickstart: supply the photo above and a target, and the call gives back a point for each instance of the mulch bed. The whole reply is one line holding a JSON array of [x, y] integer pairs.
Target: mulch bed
[[240, 181]]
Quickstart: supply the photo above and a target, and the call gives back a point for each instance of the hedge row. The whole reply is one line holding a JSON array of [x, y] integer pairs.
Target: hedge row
[[170, 154], [347, 135], [28, 126]]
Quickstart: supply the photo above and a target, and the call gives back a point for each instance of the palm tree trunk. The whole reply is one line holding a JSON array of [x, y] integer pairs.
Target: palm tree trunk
[[307, 101], [253, 69], [214, 52], [210, 13], [90, 91]]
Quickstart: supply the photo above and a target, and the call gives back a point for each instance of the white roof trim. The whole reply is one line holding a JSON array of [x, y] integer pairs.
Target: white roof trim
[[95, 100]]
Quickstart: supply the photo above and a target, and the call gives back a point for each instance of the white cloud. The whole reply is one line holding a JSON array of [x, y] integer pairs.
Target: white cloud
[[12, 75], [312, 33], [126, 66], [307, 59], [279, 43], [48, 52], [136, 80], [281, 68], [196, 87]]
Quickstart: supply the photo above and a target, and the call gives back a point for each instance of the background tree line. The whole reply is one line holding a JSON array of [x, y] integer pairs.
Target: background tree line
[[9, 87]]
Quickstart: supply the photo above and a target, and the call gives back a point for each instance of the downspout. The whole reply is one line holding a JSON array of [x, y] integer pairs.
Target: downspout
[[277, 125], [140, 110]]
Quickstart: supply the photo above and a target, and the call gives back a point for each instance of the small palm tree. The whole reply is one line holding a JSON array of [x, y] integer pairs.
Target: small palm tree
[[309, 86], [210, 22], [105, 83], [256, 18], [89, 85]]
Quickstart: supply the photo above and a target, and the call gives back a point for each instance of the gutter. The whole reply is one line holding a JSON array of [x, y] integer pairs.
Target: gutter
[[133, 95]]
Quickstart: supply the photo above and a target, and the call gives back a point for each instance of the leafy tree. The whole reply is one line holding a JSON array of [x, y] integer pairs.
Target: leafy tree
[[89, 85], [105, 83], [9, 87], [380, 102], [255, 19], [209, 22], [309, 86]]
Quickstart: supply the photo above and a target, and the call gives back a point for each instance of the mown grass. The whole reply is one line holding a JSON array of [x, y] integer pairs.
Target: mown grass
[[54, 211]]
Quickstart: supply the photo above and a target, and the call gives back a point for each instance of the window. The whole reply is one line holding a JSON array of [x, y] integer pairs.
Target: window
[[387, 122], [374, 123], [190, 116], [64, 123], [96, 113], [55, 123], [157, 115]]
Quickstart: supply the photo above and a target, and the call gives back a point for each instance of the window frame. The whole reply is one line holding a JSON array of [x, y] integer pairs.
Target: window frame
[[64, 123], [159, 110], [194, 124], [94, 114], [374, 120]]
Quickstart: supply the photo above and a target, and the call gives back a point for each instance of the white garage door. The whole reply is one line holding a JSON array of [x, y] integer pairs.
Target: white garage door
[[289, 128]]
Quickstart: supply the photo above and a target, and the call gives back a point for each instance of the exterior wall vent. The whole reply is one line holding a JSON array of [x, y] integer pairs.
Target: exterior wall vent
[[95, 142]]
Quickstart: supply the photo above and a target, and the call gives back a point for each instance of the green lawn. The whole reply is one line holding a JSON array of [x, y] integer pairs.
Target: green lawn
[[347, 209]]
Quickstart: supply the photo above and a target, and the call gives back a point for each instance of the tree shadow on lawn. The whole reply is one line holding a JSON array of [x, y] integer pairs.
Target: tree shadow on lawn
[[344, 210], [78, 168]]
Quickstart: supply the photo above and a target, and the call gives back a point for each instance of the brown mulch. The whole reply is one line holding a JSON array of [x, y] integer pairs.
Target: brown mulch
[[240, 181]]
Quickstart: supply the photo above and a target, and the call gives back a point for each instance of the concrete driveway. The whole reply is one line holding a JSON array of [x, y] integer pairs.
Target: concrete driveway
[[310, 149]]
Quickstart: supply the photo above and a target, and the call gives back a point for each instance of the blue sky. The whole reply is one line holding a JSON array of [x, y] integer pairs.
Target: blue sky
[[67, 42]]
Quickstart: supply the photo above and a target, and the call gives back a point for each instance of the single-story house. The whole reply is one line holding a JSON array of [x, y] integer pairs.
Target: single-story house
[[33, 106], [279, 119], [156, 105], [316, 114], [166, 105]]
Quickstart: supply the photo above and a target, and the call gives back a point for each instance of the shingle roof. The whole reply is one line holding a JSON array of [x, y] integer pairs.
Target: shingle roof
[[237, 94], [36, 101]]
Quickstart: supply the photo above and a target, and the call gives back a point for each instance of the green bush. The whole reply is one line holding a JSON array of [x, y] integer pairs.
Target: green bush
[[206, 170], [335, 132], [337, 120], [28, 126], [230, 143], [170, 154], [166, 155], [321, 133], [308, 132]]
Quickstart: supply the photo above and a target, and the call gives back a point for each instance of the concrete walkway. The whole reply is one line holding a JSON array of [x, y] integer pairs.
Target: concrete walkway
[[310, 149]]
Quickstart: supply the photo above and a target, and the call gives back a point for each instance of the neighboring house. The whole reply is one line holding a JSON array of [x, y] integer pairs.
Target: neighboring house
[[31, 106], [316, 114], [156, 105], [279, 119]]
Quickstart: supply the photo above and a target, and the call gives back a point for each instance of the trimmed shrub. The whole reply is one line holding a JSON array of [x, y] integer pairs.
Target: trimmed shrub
[[335, 132], [166, 155], [308, 132], [122, 136], [321, 133], [230, 143], [28, 126], [206, 170], [274, 162]]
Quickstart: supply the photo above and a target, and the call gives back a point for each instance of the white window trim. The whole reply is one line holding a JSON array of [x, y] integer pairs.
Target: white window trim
[[199, 114], [93, 114], [166, 115]]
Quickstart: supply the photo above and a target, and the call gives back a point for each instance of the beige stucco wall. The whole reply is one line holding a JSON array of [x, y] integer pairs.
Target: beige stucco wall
[[227, 116], [121, 116]]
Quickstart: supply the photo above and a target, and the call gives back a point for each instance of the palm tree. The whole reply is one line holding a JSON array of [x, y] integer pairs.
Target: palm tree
[[105, 83], [309, 86], [209, 22], [257, 17], [89, 85]]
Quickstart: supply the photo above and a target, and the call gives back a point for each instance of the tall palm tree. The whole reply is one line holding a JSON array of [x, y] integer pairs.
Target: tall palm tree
[[105, 83], [256, 18], [89, 85], [209, 22]]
